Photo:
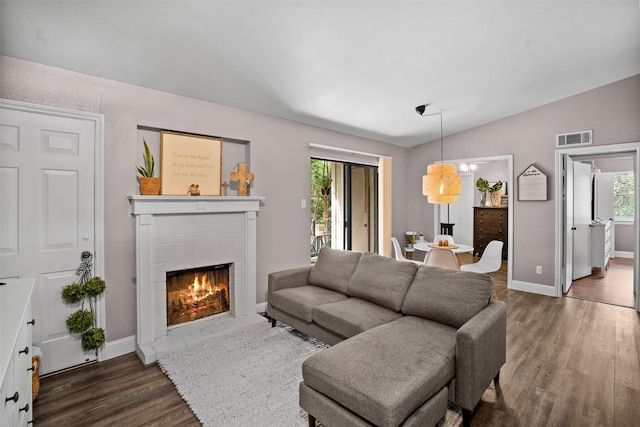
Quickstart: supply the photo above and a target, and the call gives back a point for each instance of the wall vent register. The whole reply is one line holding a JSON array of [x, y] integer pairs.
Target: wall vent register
[[584, 137]]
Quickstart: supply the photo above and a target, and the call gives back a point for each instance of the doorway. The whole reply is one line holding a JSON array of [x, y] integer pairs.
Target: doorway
[[484, 167], [563, 227], [344, 206], [600, 205]]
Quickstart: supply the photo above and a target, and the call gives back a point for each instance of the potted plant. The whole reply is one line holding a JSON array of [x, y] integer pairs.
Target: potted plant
[[325, 189], [149, 185], [484, 187]]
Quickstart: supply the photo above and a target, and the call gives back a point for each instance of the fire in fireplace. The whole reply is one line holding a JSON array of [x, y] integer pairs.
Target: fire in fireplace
[[196, 293]]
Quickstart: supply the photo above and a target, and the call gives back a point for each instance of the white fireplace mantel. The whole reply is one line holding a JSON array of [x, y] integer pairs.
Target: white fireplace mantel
[[158, 205], [177, 232]]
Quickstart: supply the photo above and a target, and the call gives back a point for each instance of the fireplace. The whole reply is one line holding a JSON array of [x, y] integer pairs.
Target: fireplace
[[196, 293], [182, 233]]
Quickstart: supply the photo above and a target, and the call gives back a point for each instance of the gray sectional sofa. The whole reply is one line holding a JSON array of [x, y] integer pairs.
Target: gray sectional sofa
[[404, 339]]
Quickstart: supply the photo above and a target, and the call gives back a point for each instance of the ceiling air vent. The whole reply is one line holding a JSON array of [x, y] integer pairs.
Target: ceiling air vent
[[584, 137]]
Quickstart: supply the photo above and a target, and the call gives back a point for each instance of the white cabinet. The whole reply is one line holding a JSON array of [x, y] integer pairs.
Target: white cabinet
[[601, 245], [603, 202], [16, 352]]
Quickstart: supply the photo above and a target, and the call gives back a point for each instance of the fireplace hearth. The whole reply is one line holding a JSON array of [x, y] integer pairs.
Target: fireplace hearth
[[197, 293]]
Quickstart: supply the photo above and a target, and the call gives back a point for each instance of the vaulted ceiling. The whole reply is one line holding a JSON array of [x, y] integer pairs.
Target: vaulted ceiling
[[359, 67]]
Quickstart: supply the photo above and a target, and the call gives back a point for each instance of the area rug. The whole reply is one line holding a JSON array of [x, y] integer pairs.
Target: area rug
[[248, 377]]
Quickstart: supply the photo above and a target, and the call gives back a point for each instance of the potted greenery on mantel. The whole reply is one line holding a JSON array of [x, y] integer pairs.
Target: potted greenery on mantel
[[149, 185]]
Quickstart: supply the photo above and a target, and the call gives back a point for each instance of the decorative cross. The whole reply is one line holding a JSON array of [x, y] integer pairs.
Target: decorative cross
[[224, 186], [243, 177]]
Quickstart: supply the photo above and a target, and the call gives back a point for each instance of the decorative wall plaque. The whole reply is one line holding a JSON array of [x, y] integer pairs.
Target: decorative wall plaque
[[532, 184], [188, 163]]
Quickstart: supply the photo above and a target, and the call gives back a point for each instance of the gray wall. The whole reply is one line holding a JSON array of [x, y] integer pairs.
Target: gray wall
[[612, 111], [279, 158]]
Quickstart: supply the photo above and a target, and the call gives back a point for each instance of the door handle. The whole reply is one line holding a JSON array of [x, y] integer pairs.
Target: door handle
[[573, 228]]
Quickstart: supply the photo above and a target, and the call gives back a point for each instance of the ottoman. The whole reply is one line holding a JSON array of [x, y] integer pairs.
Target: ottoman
[[395, 374]]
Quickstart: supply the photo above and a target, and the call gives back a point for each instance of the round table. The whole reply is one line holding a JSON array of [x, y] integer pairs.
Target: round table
[[424, 246]]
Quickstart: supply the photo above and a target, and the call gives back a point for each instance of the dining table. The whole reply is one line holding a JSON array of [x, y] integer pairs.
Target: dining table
[[456, 248]]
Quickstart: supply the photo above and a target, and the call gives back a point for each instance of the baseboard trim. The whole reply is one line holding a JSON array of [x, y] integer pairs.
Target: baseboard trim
[[623, 254], [118, 348], [535, 288]]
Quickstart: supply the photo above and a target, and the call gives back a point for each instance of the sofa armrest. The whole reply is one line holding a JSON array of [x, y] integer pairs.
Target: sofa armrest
[[481, 351], [290, 278]]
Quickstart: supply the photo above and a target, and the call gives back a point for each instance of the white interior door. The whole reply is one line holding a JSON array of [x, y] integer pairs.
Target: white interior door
[[568, 224], [47, 175], [581, 220]]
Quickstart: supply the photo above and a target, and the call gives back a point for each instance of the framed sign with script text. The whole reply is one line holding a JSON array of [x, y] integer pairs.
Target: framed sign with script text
[[532, 184], [190, 164]]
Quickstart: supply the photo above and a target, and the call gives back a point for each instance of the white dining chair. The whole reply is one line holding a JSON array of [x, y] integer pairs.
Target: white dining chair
[[444, 237], [443, 258], [398, 250], [490, 261]]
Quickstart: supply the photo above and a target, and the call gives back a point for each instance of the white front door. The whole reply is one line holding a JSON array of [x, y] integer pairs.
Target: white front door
[[47, 177], [581, 220]]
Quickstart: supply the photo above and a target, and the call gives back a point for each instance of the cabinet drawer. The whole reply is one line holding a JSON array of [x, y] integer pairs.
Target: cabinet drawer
[[486, 238], [22, 351], [489, 214], [487, 230], [8, 389], [494, 222]]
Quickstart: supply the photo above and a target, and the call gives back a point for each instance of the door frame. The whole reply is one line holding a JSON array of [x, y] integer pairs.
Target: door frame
[[510, 231], [560, 154], [99, 244]]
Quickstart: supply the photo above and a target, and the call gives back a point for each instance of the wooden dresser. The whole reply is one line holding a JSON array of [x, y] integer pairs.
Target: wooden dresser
[[16, 353], [489, 224]]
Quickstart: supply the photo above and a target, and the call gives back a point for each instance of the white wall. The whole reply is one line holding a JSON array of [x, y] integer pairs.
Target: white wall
[[279, 158]]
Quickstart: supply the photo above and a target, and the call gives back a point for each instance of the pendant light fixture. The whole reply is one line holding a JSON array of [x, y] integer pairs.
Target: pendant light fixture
[[441, 184]]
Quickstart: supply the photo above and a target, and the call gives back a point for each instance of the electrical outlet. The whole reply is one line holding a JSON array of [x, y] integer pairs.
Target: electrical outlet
[[303, 203], [538, 269]]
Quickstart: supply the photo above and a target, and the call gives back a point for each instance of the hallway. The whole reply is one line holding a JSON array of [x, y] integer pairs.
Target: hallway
[[615, 288]]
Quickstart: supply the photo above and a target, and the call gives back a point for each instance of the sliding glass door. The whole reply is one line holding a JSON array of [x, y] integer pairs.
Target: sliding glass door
[[344, 206]]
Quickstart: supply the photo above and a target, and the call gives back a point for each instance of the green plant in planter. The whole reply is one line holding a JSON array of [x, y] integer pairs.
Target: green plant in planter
[[483, 186], [80, 321], [93, 339], [146, 171]]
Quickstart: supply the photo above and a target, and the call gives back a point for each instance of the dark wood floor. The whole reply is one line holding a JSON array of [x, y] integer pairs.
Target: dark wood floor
[[570, 362], [616, 287], [116, 392]]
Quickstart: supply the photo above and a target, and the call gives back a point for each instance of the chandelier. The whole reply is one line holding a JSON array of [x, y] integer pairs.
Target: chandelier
[[441, 184]]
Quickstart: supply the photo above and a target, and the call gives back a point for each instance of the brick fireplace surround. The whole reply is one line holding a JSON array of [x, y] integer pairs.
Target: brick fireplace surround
[[180, 232]]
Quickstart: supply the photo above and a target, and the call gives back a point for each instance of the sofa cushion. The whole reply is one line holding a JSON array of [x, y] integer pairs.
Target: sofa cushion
[[382, 280], [351, 317], [300, 301], [449, 297], [386, 373], [334, 269]]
